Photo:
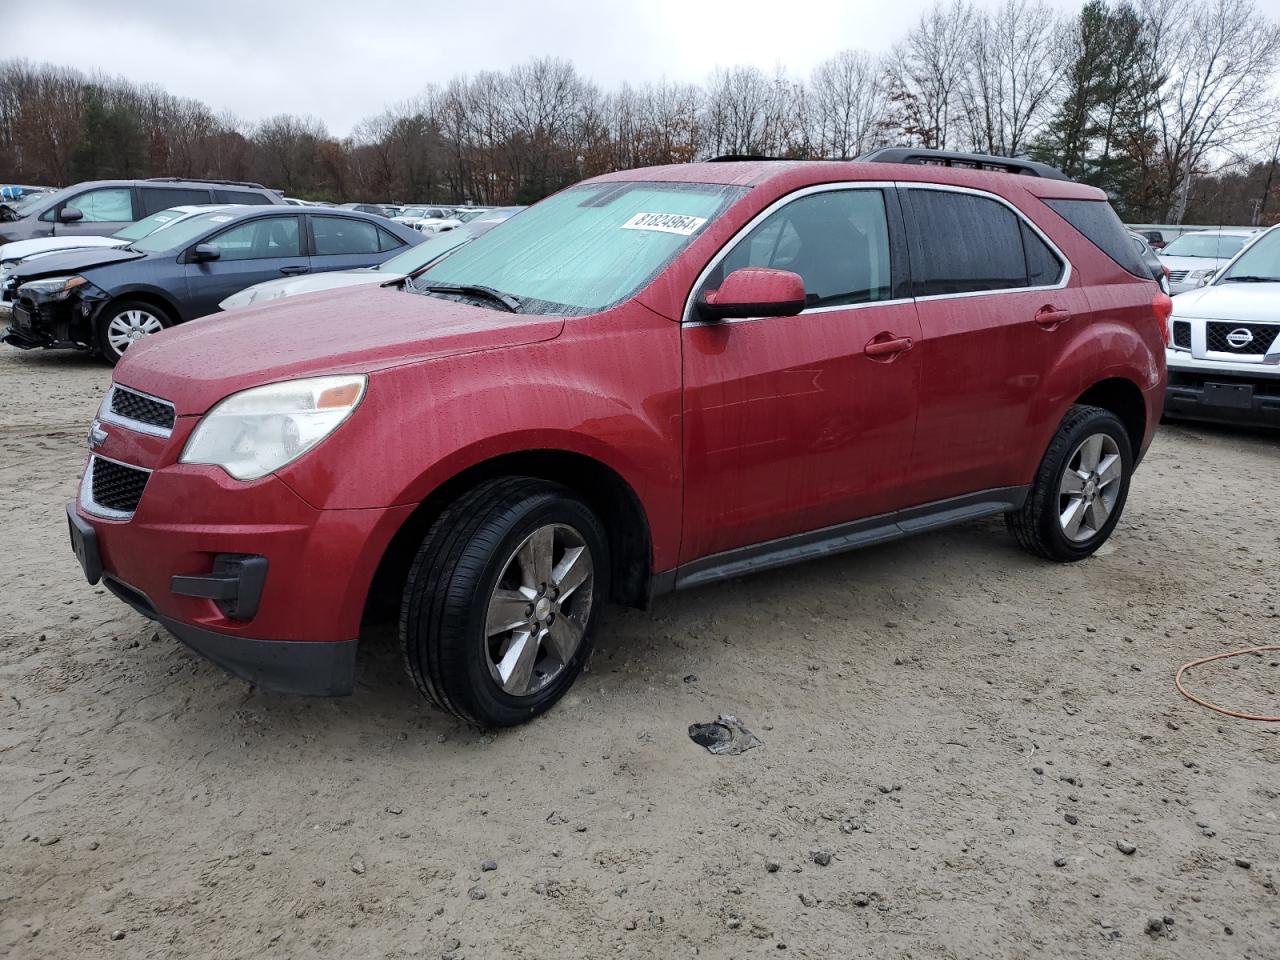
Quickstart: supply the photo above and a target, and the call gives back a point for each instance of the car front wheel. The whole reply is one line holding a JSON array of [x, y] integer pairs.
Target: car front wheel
[[502, 600], [124, 323]]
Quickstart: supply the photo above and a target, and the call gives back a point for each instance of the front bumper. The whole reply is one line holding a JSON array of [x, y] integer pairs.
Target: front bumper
[[285, 666], [248, 575], [1222, 392]]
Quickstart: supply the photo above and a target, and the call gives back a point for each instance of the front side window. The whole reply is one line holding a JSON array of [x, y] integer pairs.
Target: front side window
[[963, 243], [109, 205], [836, 240], [259, 240], [339, 235], [588, 247], [1260, 263]]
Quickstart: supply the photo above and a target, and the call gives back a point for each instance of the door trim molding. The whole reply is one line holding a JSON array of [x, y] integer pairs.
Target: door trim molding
[[840, 538]]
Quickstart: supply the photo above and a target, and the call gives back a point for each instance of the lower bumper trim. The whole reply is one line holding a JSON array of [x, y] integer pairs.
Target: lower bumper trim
[[308, 668]]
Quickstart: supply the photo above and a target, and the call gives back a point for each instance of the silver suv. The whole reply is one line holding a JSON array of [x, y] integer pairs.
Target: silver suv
[[98, 208], [1224, 341]]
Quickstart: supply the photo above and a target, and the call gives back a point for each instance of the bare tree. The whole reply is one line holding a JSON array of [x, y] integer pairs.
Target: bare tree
[[847, 105]]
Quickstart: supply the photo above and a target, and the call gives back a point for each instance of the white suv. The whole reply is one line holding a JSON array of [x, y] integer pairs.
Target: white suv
[[1224, 341]]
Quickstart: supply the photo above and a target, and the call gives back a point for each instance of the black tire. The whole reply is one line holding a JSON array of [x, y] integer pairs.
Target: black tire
[[444, 608], [1036, 525], [102, 333]]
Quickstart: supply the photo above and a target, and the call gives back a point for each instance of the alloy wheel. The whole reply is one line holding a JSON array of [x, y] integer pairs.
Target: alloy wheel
[[1090, 487], [539, 609]]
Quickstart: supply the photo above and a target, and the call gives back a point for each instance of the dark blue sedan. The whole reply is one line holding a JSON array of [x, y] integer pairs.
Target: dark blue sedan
[[103, 300]]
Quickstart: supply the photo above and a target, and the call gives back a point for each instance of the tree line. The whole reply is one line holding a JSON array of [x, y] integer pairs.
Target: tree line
[[1168, 105]]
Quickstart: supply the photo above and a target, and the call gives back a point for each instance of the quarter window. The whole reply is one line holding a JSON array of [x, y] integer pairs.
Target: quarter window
[[1044, 269], [260, 240], [109, 205], [963, 243], [836, 240]]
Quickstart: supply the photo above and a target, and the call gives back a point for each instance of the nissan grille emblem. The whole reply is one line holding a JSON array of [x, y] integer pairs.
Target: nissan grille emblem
[[97, 435], [1240, 337]]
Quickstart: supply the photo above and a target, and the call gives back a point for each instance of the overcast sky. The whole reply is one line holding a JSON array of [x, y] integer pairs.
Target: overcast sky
[[344, 61]]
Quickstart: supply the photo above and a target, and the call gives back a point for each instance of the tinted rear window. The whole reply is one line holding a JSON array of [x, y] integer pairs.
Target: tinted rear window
[[1101, 227], [240, 196], [963, 243]]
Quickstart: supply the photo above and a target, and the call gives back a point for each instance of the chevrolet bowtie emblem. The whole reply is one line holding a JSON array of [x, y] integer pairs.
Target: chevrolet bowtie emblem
[[97, 435]]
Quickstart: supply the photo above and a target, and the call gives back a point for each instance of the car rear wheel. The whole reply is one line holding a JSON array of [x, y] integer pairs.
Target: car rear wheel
[[124, 323], [1080, 489], [502, 600]]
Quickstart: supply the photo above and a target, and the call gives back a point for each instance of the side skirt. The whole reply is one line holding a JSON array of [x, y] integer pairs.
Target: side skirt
[[839, 538]]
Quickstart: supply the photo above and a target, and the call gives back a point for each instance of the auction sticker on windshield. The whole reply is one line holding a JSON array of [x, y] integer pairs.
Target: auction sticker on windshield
[[677, 223]]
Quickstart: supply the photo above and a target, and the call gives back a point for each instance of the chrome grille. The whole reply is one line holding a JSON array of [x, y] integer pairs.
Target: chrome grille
[[139, 408], [1263, 335], [1177, 276]]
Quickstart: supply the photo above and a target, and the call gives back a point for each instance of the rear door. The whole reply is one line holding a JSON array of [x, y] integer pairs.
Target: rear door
[[790, 423], [996, 300], [104, 210], [347, 243], [265, 248]]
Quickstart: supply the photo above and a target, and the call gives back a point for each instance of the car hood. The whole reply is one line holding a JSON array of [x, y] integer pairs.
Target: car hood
[[196, 364], [1256, 302], [26, 248], [73, 261], [311, 283], [1193, 263]]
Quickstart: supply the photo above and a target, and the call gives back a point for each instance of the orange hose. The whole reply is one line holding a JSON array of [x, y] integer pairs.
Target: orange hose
[[1177, 680]]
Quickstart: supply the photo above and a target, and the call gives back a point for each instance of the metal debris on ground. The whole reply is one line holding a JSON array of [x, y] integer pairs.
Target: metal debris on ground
[[726, 735]]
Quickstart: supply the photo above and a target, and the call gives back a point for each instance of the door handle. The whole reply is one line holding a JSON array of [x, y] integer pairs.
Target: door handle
[[294, 271], [884, 350], [1051, 317]]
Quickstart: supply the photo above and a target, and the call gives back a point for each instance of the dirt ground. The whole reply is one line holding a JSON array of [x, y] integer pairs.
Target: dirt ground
[[970, 734]]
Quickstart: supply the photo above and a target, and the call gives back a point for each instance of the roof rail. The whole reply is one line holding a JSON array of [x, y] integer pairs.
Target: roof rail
[[743, 157], [225, 183], [964, 161]]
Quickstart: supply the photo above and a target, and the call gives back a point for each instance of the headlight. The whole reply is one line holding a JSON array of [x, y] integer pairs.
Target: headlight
[[255, 432], [51, 288]]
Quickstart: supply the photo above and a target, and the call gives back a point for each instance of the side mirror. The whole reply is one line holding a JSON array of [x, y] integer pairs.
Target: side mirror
[[204, 252], [70, 214], [755, 292]]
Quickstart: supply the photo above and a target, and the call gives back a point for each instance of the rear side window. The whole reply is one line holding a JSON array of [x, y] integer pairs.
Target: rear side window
[[836, 240], [240, 196], [155, 199], [963, 243], [1101, 227], [335, 235]]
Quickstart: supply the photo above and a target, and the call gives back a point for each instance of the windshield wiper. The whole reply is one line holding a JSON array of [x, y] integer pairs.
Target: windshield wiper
[[509, 302], [1250, 278]]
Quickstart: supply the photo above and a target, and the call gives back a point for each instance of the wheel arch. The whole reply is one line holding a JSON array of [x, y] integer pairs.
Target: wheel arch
[[148, 295], [1125, 399], [599, 485]]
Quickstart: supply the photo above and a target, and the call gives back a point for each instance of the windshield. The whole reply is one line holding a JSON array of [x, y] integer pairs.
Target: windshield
[[588, 247], [180, 234], [1261, 260], [1205, 245], [29, 203], [415, 258], [148, 225], [413, 212]]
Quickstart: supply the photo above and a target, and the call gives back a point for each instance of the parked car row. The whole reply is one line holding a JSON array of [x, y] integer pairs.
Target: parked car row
[[1194, 258], [104, 299]]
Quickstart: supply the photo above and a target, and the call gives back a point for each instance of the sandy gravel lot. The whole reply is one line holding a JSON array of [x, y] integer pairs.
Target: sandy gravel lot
[[967, 732]]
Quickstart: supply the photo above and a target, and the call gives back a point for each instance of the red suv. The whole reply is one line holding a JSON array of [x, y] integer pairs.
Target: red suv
[[652, 380]]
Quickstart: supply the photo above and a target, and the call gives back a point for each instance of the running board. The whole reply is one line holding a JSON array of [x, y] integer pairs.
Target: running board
[[840, 538]]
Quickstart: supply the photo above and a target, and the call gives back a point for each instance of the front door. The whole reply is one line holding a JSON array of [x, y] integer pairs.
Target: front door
[[264, 249], [792, 423], [103, 211]]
